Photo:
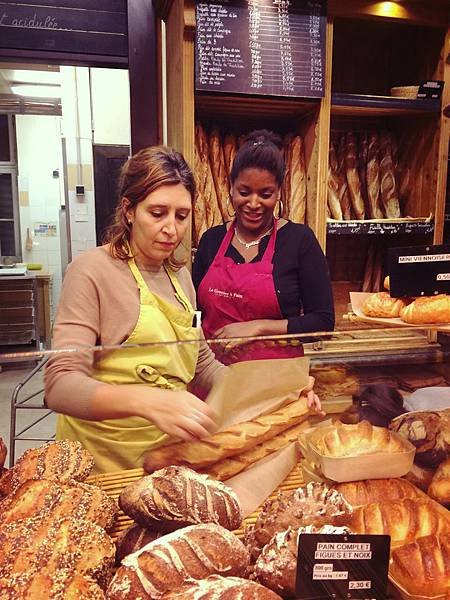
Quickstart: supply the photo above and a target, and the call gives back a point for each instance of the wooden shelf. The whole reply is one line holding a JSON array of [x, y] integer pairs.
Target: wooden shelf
[[255, 107], [380, 227], [381, 106]]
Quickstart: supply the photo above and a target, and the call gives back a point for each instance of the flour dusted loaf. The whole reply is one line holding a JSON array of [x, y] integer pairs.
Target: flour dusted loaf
[[358, 439], [276, 567], [359, 493], [313, 504], [29, 545], [62, 584], [195, 552], [382, 305], [59, 461], [234, 440], [133, 539], [217, 587], [435, 309], [80, 501], [404, 520], [177, 496], [439, 488], [423, 566]]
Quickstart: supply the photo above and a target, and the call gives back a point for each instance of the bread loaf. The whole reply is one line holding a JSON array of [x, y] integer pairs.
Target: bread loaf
[[435, 309], [217, 587], [212, 211], [382, 305], [79, 501], [133, 539], [3, 453], [351, 169], [59, 461], [359, 493], [195, 552], [440, 484], [229, 467], [41, 541], [388, 186], [357, 440], [219, 173], [429, 432], [333, 185], [174, 497], [404, 520], [297, 171], [276, 567], [313, 504], [423, 567], [373, 177], [62, 584], [344, 194], [231, 441]]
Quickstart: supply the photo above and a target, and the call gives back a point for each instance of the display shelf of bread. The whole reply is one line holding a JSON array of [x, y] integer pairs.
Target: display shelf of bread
[[214, 154]]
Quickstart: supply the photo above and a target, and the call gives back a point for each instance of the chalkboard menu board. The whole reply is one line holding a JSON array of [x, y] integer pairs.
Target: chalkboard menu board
[[274, 47], [77, 26]]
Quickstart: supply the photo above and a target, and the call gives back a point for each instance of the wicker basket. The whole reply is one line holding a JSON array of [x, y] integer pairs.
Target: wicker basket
[[406, 91]]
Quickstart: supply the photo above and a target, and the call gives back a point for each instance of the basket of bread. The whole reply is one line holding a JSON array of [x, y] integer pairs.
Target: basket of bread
[[359, 451]]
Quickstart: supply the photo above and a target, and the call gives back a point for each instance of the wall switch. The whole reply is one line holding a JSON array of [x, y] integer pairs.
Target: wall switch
[[79, 190]]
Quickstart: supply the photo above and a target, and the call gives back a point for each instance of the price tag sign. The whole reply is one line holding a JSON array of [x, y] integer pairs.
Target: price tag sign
[[344, 567], [430, 89], [419, 271]]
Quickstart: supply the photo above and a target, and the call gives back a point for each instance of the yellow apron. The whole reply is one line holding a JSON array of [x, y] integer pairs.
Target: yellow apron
[[120, 443]]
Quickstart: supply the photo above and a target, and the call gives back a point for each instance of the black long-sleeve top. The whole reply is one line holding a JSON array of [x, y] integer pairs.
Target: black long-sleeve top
[[300, 274]]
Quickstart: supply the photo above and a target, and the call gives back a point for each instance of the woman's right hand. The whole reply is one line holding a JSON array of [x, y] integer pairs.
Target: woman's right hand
[[180, 414]]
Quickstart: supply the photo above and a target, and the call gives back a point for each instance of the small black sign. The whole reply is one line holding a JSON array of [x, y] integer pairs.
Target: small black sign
[[430, 89], [342, 566], [274, 47], [419, 271]]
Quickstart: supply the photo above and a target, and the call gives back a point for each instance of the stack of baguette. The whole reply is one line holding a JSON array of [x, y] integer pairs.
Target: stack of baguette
[[362, 176], [236, 448], [214, 154], [53, 527]]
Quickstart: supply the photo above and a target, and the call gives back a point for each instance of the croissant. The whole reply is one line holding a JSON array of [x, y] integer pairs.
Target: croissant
[[358, 439], [382, 305], [435, 309], [423, 567], [404, 520]]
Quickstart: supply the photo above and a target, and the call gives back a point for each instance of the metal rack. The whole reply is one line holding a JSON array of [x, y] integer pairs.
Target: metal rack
[[26, 404]]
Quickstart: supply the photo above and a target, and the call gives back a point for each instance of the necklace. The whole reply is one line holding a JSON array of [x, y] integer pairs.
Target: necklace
[[254, 242]]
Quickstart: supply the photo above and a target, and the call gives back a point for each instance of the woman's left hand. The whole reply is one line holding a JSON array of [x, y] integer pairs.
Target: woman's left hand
[[313, 400], [244, 329]]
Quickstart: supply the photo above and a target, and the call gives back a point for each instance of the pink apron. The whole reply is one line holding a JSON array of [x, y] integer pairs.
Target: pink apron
[[234, 293]]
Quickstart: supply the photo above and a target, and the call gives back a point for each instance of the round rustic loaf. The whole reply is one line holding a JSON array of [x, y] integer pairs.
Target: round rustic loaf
[[217, 587], [133, 539], [175, 497]]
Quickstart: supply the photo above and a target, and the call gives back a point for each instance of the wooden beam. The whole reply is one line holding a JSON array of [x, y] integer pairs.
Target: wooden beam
[[434, 14]]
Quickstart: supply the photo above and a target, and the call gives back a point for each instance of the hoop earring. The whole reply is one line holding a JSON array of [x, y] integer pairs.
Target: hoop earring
[[280, 209], [228, 209]]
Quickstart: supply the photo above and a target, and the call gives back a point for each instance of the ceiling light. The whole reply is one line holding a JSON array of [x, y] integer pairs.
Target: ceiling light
[[37, 91]]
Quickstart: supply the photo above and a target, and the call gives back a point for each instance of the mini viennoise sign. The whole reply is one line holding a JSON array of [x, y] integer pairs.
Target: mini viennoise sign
[[274, 47], [419, 271], [345, 566]]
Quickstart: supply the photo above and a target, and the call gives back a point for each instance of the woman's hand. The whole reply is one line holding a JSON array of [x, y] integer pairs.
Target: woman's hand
[[182, 415], [312, 399], [243, 329]]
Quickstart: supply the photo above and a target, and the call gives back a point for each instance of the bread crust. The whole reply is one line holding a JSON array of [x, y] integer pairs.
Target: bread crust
[[217, 587], [435, 309], [359, 493], [382, 305]]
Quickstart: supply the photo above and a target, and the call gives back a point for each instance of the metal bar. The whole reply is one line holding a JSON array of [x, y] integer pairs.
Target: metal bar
[[17, 436]]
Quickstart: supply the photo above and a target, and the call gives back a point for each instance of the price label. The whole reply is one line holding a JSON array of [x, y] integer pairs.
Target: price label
[[419, 271]]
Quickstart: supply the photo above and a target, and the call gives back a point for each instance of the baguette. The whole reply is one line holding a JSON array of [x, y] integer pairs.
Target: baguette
[[286, 187], [79, 501], [373, 177], [344, 194], [59, 461], [175, 497], [404, 520], [212, 212], [229, 153], [334, 204], [229, 467], [234, 440], [440, 484], [195, 552], [217, 587], [220, 177], [354, 184], [362, 170], [297, 172], [435, 309], [388, 186], [359, 493], [199, 224], [423, 567]]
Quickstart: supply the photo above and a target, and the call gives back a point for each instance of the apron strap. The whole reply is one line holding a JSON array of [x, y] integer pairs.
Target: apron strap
[[179, 293]]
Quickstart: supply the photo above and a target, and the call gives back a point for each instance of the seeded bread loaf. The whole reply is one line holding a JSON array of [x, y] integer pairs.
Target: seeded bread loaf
[[175, 497], [62, 584]]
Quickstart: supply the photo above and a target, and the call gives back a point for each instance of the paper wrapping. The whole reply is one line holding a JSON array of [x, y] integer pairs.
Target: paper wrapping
[[247, 390]]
